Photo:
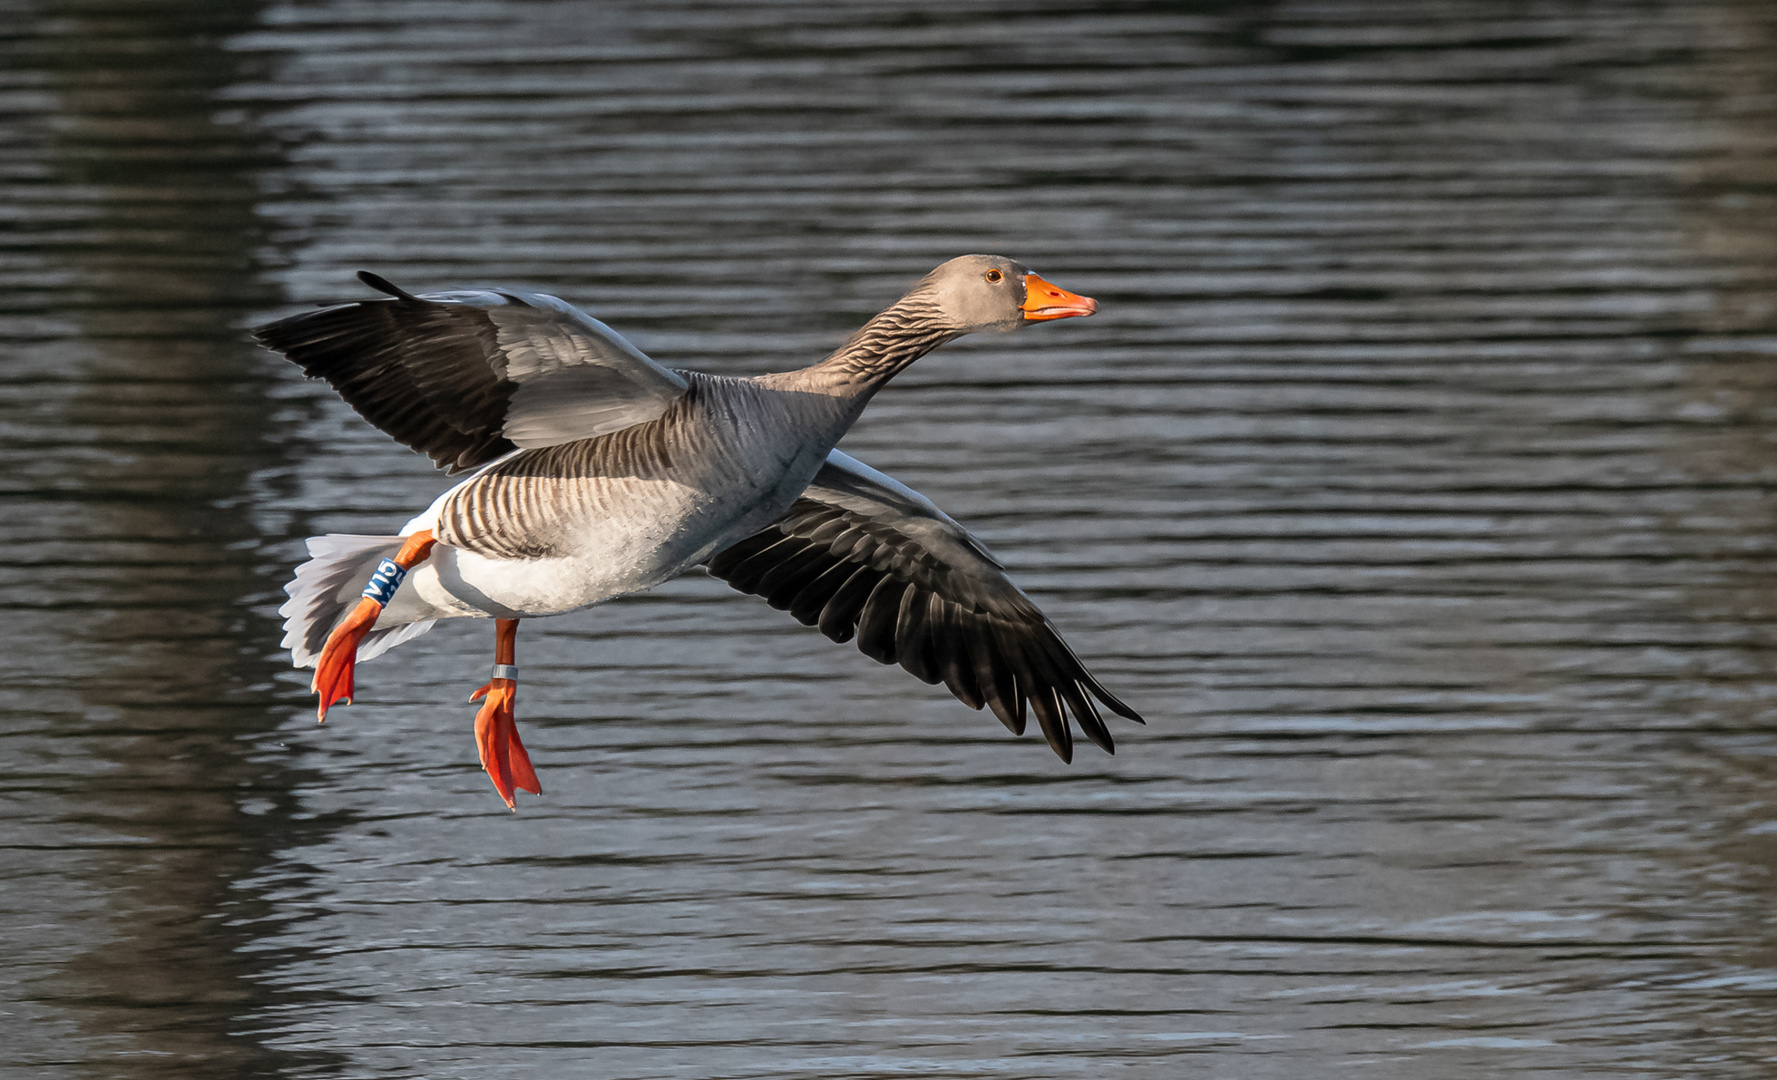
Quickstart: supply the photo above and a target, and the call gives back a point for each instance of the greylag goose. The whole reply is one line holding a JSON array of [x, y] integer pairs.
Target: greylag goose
[[599, 473]]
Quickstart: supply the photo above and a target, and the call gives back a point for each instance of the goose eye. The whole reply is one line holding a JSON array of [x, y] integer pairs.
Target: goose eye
[[993, 277]]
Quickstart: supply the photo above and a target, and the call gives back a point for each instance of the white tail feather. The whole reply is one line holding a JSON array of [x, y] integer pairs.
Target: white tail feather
[[327, 587]]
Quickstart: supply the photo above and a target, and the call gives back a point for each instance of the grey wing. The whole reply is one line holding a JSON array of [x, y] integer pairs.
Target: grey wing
[[862, 555], [468, 376]]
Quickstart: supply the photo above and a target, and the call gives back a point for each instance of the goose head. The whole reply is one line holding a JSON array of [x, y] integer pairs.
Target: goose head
[[991, 292]]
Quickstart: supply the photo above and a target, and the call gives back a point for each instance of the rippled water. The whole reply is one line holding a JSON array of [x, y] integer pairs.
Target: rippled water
[[1416, 481]]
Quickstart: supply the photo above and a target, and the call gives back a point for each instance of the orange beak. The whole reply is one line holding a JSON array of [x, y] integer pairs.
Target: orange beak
[[1043, 301]]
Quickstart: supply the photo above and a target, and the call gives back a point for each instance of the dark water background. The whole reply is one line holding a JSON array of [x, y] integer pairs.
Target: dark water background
[[1416, 480]]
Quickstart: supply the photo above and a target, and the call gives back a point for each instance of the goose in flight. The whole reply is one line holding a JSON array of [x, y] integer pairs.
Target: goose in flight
[[597, 473]]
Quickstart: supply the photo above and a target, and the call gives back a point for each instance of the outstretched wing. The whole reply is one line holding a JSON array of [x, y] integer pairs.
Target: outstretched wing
[[863, 555], [468, 376]]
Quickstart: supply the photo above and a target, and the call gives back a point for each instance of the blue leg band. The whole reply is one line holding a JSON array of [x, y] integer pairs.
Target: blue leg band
[[384, 582]]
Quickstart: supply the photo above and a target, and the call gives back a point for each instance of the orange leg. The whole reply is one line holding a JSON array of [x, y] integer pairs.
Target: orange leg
[[333, 675], [496, 729]]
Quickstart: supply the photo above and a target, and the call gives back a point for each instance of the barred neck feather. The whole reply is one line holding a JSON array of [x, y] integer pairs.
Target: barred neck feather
[[905, 331]]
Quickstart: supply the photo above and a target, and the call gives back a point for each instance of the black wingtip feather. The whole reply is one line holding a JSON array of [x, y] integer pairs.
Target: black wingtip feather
[[1090, 682], [813, 596], [997, 685], [1110, 700], [876, 626], [384, 285], [1053, 721], [913, 637], [1080, 704], [956, 660], [839, 618]]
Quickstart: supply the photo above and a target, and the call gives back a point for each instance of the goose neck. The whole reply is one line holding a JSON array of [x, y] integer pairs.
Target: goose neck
[[885, 346]]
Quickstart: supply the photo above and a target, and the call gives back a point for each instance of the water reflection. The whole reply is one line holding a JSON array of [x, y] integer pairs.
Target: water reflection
[[1726, 405], [157, 789]]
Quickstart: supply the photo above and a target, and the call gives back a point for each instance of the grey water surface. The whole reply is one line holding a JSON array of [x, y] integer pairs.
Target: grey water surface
[[1416, 481]]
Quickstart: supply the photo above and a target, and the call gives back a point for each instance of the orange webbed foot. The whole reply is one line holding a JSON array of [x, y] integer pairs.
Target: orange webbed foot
[[496, 736], [333, 675]]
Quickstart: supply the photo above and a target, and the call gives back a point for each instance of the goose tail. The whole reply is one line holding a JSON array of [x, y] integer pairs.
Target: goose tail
[[326, 588]]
